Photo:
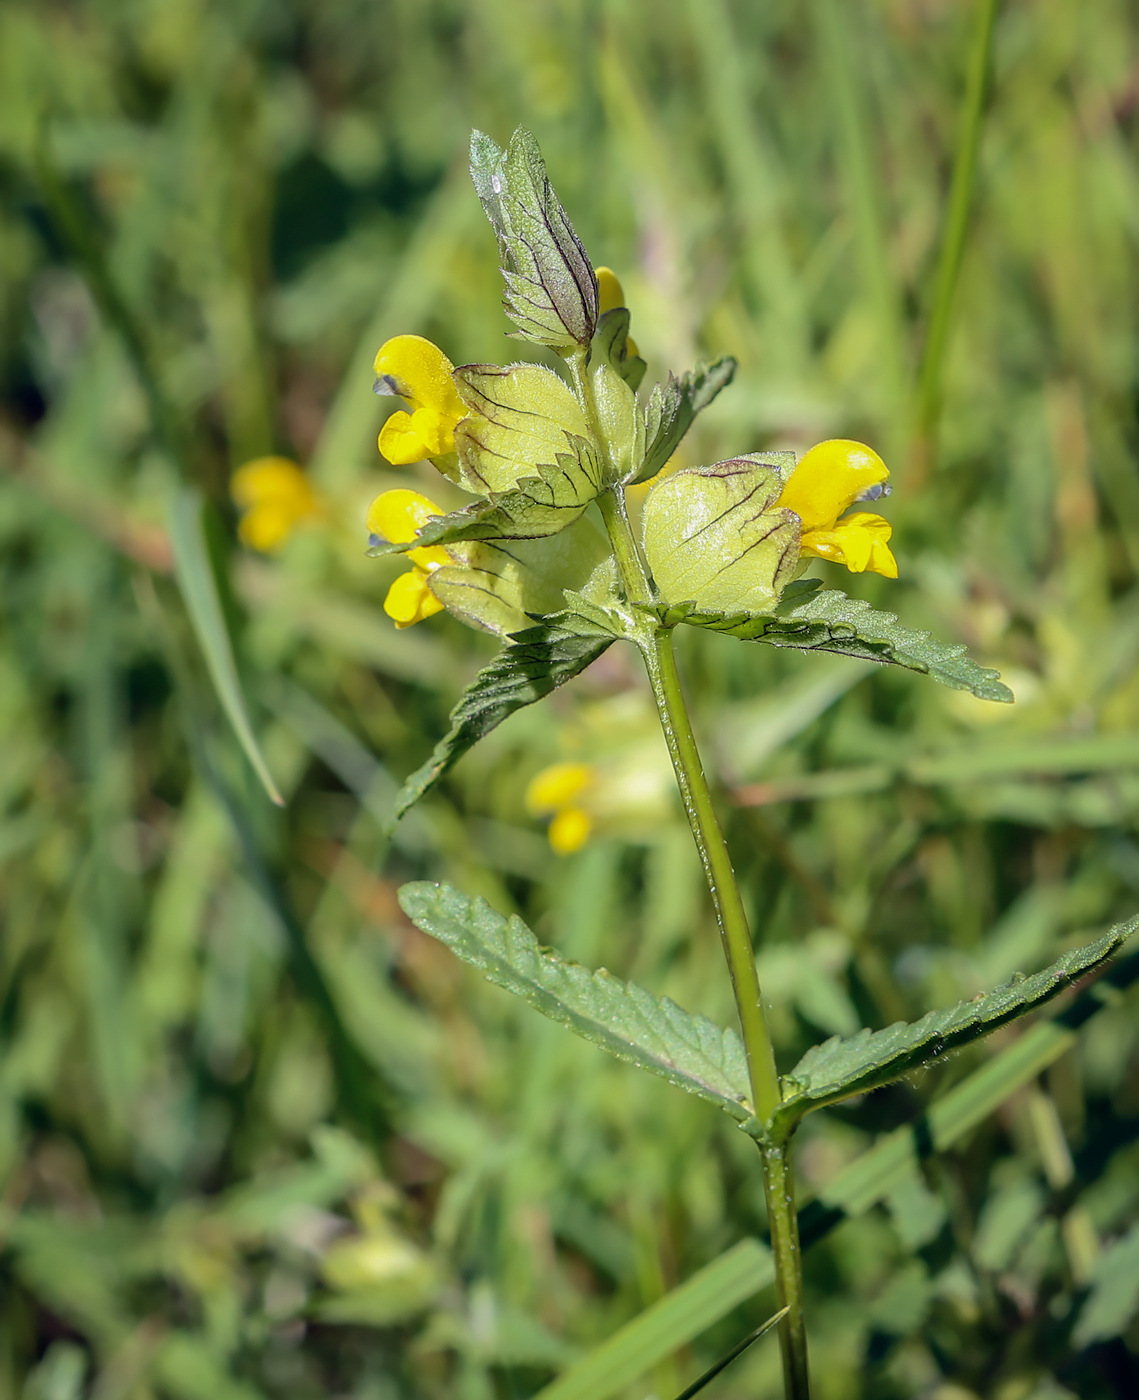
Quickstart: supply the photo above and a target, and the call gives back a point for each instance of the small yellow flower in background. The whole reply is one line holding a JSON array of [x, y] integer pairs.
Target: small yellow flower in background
[[610, 293], [274, 497], [829, 479], [554, 791], [398, 516], [420, 373]]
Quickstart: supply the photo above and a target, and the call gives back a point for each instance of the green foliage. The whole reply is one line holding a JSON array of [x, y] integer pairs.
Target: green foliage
[[276, 191], [839, 1068], [814, 619], [672, 407], [551, 291], [632, 1024], [528, 668], [199, 589]]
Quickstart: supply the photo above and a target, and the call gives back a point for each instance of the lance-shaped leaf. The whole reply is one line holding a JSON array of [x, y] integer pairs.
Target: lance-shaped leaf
[[839, 1068], [523, 421], [502, 585], [815, 619], [714, 536], [671, 408], [551, 290], [534, 663], [649, 1031]]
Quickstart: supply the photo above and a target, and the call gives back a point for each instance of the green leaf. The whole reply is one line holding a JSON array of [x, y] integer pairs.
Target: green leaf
[[551, 290], [535, 509], [199, 591], [535, 662], [632, 1024], [714, 535], [839, 1068], [1114, 1298], [671, 408], [827, 620]]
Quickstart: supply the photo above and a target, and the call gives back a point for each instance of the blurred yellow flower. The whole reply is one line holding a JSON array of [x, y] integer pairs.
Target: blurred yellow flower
[[274, 497], [828, 479], [555, 791], [610, 293], [398, 516], [420, 373]]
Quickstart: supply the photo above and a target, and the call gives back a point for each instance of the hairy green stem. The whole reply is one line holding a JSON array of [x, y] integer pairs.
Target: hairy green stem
[[660, 661]]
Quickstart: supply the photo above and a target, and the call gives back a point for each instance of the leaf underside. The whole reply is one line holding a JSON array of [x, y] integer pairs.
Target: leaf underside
[[631, 1023], [533, 663], [839, 1068], [815, 619]]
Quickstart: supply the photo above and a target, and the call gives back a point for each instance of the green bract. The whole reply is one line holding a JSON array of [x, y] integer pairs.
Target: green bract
[[505, 584], [551, 290], [714, 537]]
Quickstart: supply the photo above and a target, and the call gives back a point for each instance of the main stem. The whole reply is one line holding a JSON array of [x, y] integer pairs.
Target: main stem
[[735, 936]]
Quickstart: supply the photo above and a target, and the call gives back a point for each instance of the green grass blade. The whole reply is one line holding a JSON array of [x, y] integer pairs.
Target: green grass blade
[[859, 164], [956, 221], [199, 591], [669, 1324], [738, 1350]]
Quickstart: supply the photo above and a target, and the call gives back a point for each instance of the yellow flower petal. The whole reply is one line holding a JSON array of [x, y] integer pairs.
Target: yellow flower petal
[[410, 599], [557, 786], [398, 516], [274, 496], [609, 290], [859, 542], [418, 371], [829, 478], [570, 830]]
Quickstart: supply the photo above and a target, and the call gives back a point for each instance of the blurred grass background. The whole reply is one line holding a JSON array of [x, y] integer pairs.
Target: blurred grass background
[[260, 1138]]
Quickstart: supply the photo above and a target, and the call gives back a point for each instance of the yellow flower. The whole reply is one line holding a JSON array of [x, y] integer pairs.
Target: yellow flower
[[420, 373], [274, 496], [610, 294], [828, 479], [555, 791], [398, 516]]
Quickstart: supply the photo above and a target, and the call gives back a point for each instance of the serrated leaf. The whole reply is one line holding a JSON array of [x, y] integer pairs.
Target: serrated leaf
[[827, 620], [535, 509], [551, 290], [671, 408], [631, 1023], [839, 1068], [534, 663]]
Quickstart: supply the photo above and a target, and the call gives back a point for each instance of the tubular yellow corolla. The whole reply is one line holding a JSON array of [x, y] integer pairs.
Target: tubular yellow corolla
[[419, 373], [398, 516], [829, 479]]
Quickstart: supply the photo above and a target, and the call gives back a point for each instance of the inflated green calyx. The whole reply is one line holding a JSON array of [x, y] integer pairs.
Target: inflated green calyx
[[713, 536]]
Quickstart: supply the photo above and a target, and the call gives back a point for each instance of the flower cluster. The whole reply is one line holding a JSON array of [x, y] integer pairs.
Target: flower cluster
[[544, 456]]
